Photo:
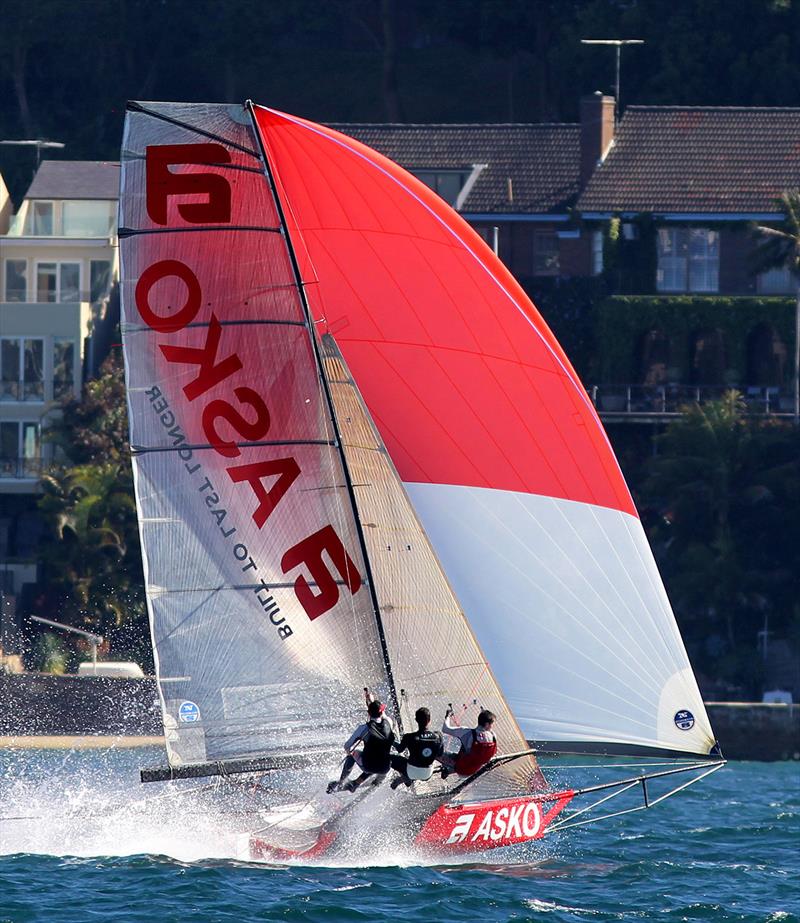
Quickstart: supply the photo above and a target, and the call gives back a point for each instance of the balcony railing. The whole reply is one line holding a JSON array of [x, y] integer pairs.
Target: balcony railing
[[22, 468], [663, 400]]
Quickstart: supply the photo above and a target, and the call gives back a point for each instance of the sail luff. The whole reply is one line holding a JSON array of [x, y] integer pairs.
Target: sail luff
[[268, 172]]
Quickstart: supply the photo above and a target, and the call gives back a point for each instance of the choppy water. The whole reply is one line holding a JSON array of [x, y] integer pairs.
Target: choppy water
[[81, 840]]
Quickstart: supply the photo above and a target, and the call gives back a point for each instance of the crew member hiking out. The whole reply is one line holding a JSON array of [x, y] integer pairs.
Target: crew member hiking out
[[478, 745], [377, 736], [423, 746]]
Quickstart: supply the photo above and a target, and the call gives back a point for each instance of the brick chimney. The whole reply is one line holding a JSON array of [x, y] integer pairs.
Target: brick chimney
[[597, 132]]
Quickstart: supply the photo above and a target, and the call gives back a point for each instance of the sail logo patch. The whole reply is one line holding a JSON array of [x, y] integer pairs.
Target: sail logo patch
[[188, 713], [684, 720]]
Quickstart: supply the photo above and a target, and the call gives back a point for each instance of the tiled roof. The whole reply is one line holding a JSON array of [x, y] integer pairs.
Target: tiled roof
[[542, 161], [694, 160], [75, 179]]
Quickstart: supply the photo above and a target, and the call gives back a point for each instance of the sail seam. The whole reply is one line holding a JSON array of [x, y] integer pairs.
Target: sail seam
[[183, 447], [134, 232]]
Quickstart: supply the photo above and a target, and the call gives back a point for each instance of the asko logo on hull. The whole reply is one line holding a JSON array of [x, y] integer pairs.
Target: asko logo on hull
[[227, 409], [491, 824]]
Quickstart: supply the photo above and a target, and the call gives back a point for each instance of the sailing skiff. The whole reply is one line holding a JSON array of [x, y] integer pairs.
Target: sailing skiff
[[362, 459]]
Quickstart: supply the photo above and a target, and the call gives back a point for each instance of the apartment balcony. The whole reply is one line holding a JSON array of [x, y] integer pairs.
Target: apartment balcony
[[642, 403], [36, 392]]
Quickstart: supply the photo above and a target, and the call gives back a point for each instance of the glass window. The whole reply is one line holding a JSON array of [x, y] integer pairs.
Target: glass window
[[703, 248], [63, 368], [777, 281], [688, 260], [16, 280], [69, 282], [58, 282], [46, 282], [10, 368], [33, 384], [545, 253], [20, 449], [87, 219], [41, 219], [99, 279], [445, 183], [597, 253]]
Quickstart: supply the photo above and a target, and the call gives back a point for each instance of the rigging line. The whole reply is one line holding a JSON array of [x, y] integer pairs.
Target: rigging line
[[133, 106], [321, 371], [123, 233], [183, 446], [242, 322]]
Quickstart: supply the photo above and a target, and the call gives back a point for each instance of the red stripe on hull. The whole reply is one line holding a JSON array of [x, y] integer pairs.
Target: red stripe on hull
[[491, 824]]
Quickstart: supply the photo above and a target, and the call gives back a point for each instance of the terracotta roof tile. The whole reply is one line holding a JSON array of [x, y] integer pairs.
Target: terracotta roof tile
[[688, 160], [542, 161]]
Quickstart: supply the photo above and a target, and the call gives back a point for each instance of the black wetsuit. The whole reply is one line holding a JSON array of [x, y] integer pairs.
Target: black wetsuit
[[423, 748]]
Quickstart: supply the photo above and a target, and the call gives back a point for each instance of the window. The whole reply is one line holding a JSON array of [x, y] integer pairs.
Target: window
[[10, 368], [445, 183], [58, 282], [597, 253], [21, 369], [63, 368], [87, 219], [20, 449], [688, 260], [778, 281], [99, 279], [545, 253], [40, 220], [16, 280]]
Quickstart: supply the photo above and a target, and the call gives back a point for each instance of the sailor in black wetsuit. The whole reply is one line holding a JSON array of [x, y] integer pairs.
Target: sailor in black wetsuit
[[377, 736], [423, 746]]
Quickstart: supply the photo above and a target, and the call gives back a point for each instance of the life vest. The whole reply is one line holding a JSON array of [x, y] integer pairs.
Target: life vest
[[377, 744], [484, 747], [423, 747]]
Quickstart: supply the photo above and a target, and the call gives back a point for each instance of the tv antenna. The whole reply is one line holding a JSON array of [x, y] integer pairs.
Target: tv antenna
[[616, 43]]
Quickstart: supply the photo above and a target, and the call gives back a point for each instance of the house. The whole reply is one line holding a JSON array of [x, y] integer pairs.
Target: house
[[58, 264], [516, 184], [683, 186]]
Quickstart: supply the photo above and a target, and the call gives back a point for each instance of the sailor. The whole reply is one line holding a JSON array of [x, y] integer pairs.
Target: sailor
[[478, 745], [377, 736], [423, 745]]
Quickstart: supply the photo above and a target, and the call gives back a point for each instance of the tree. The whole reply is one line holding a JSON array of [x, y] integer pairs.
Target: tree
[[721, 506], [91, 560], [780, 247]]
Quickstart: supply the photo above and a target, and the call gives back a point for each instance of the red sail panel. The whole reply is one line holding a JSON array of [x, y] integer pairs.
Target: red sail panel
[[462, 376]]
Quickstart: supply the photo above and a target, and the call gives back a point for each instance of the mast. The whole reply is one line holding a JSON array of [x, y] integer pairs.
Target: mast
[[329, 401]]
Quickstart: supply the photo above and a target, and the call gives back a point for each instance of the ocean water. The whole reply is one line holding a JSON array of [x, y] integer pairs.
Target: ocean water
[[81, 840]]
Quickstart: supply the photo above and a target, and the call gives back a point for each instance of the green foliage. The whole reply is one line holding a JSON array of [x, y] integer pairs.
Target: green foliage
[[91, 559], [568, 307], [721, 504], [50, 655], [622, 320]]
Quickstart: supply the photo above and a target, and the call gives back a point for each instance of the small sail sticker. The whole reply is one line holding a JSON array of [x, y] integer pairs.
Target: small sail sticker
[[188, 712], [684, 720]]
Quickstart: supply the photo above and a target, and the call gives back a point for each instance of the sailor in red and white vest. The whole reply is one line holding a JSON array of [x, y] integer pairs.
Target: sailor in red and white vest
[[478, 745]]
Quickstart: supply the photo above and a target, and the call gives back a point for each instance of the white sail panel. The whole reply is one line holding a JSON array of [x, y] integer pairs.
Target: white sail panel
[[566, 600], [262, 622]]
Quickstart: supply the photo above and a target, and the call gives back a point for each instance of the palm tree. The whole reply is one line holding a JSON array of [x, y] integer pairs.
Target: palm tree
[[780, 247]]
